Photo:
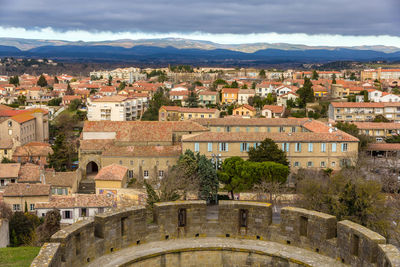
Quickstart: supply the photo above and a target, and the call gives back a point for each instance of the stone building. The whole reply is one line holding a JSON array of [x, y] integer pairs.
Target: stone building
[[16, 195]]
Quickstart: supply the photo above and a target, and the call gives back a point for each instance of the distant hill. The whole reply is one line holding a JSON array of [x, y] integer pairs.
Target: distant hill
[[183, 51]]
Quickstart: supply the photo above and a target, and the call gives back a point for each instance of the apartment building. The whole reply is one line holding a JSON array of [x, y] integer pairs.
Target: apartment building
[[127, 74], [175, 113], [378, 130], [114, 108], [360, 111], [24, 126], [380, 74], [245, 110], [307, 143], [244, 95]]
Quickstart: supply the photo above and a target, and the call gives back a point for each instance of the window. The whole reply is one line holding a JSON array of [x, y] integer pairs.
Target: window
[[334, 147], [131, 162], [146, 174], [247, 129], [297, 164], [333, 163], [293, 129], [323, 147], [309, 164], [237, 129], [256, 129], [268, 129], [130, 173], [285, 147], [32, 207], [323, 165], [83, 212], [218, 129], [100, 210], [228, 129], [209, 147], [161, 174], [244, 147], [297, 147], [281, 129], [120, 162], [9, 123], [310, 147], [16, 207], [303, 225], [344, 147], [67, 214], [223, 147], [196, 147], [59, 191]]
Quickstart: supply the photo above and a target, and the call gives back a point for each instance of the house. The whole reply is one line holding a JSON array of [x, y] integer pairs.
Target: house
[[30, 173], [179, 96], [320, 90], [175, 113], [307, 143], [208, 98], [283, 99], [34, 152], [107, 91], [8, 173], [6, 148], [229, 95], [17, 194], [361, 111], [67, 99], [264, 88], [273, 111], [114, 108], [378, 130], [245, 111], [112, 176], [62, 183], [244, 94], [75, 208]]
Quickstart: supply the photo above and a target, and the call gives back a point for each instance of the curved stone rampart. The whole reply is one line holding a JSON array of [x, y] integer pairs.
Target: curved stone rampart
[[90, 240]]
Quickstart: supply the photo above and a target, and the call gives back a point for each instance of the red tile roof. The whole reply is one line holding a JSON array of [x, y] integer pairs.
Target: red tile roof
[[274, 108], [26, 190], [9, 170], [113, 172], [77, 201], [377, 125]]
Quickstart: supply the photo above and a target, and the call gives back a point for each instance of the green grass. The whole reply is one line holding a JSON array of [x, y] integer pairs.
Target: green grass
[[18, 256]]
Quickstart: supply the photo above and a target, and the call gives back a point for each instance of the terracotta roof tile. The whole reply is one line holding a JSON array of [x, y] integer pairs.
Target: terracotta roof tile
[[67, 179], [274, 108], [77, 201], [9, 170], [143, 151], [23, 189], [113, 172]]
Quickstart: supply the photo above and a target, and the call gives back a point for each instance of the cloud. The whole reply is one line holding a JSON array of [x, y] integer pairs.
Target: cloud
[[312, 17], [293, 38]]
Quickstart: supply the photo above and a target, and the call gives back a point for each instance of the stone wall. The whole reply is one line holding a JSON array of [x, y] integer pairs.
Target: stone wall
[[4, 233], [318, 233]]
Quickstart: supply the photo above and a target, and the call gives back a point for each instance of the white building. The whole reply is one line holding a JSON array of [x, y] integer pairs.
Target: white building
[[114, 108], [244, 94], [75, 208]]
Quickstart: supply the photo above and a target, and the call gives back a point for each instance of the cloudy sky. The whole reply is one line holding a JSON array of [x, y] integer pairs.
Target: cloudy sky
[[311, 22]]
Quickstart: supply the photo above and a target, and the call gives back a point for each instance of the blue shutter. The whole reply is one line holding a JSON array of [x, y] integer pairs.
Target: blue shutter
[[220, 146], [209, 147], [247, 147], [196, 147], [334, 147], [227, 147], [342, 147], [287, 147], [283, 146], [255, 145], [241, 147], [299, 147]]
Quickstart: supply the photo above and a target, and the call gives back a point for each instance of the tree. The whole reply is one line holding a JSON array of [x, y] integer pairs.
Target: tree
[[268, 150], [14, 80], [158, 100], [21, 229], [56, 80], [69, 90], [262, 74], [208, 179], [234, 84], [74, 105], [42, 82], [306, 93], [353, 76], [244, 86], [253, 85], [380, 118], [348, 127], [110, 80], [49, 227], [6, 160], [60, 160], [193, 100], [5, 211], [55, 101], [334, 78], [197, 83], [121, 86], [21, 100], [315, 75], [231, 176]]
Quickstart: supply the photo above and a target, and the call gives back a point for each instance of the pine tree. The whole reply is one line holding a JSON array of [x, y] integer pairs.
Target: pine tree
[[56, 80], [262, 74], [42, 82], [306, 93], [69, 90], [334, 78], [315, 75]]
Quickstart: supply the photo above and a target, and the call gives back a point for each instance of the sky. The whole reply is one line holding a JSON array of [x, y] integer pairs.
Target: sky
[[309, 22]]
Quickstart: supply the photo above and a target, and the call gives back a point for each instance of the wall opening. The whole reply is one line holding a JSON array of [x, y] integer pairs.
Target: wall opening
[[243, 216], [78, 244], [92, 169], [355, 245], [303, 225], [124, 227], [182, 217]]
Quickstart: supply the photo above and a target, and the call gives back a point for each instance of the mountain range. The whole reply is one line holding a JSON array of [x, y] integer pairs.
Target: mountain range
[[185, 51]]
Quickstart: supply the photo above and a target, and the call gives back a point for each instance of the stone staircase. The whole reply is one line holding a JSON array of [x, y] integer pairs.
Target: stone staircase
[[87, 187], [212, 218]]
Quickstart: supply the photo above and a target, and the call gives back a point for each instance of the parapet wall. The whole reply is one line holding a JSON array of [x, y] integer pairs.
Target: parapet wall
[[91, 239]]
